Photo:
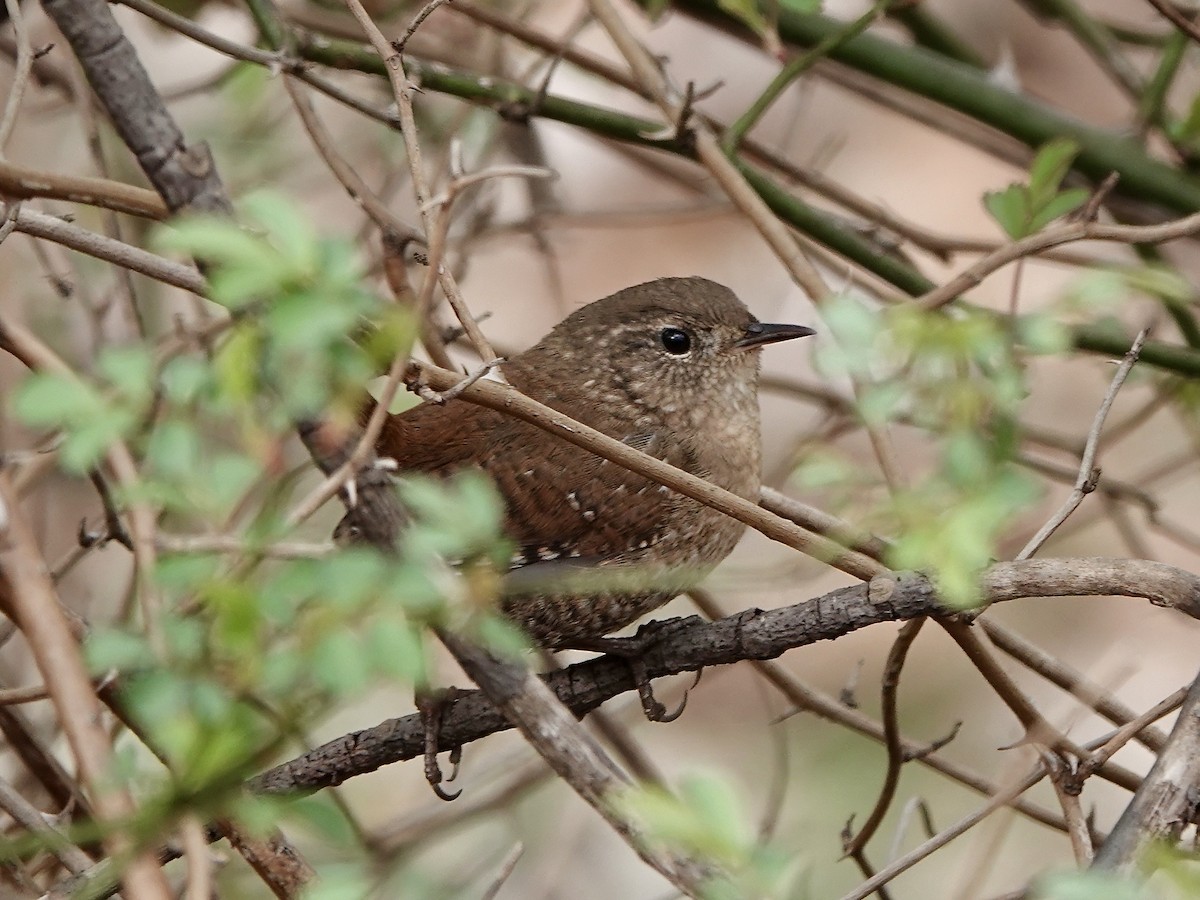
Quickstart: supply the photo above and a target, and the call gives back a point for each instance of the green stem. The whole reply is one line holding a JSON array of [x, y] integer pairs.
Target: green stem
[[512, 100], [1177, 308], [1095, 37], [1114, 342], [266, 18], [1153, 103], [794, 69], [969, 91], [826, 230], [932, 34]]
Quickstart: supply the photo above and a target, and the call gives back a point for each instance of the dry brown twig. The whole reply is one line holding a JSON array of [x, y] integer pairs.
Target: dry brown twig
[[30, 600], [1089, 474], [892, 740], [505, 398], [1054, 236]]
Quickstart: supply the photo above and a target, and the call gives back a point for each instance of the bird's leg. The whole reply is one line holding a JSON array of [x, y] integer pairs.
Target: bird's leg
[[431, 704], [632, 649]]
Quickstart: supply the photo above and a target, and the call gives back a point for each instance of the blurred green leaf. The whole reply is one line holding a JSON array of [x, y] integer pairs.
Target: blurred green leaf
[[108, 649], [46, 399], [128, 369], [398, 649], [1010, 208], [184, 378], [87, 441], [1086, 886], [174, 450], [1058, 206], [288, 230], [338, 662]]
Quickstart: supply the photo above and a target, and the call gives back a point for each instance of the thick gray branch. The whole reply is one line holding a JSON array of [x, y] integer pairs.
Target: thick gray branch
[[1168, 798], [183, 175], [686, 645]]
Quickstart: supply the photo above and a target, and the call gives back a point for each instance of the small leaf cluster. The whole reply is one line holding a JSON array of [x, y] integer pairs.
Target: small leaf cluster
[[959, 379], [299, 637], [295, 299], [1025, 209], [91, 415], [251, 649]]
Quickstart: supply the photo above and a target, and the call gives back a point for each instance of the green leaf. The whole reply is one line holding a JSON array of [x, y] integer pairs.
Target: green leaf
[[184, 378], [323, 816], [174, 450], [228, 478], [308, 322], [500, 635], [341, 881], [1010, 208], [1043, 334], [338, 662], [46, 399], [110, 649], [218, 241], [287, 229], [1159, 281], [85, 444], [353, 578], [1058, 206], [129, 369], [715, 805], [1086, 886], [183, 572], [881, 403], [1049, 167], [397, 649], [237, 365], [234, 286]]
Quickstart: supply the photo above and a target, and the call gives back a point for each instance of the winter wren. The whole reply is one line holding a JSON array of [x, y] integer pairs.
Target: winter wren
[[669, 367]]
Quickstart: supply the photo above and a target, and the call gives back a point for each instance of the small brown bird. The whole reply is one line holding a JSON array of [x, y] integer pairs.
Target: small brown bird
[[669, 367]]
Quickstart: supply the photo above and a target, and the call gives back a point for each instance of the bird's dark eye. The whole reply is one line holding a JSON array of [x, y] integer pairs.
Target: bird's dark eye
[[675, 340]]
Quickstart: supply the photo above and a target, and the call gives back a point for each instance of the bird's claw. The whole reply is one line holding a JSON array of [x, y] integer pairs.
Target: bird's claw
[[431, 705], [652, 707]]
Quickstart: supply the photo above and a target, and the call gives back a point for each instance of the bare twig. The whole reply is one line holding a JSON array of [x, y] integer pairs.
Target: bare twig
[[16, 91], [1054, 237], [1089, 474], [420, 17], [1056, 672], [127, 256], [710, 154], [38, 825], [944, 837], [1135, 726], [19, 181], [29, 598], [1178, 19], [892, 740]]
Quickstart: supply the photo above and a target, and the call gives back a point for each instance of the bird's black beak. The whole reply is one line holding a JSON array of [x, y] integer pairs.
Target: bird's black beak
[[761, 333]]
